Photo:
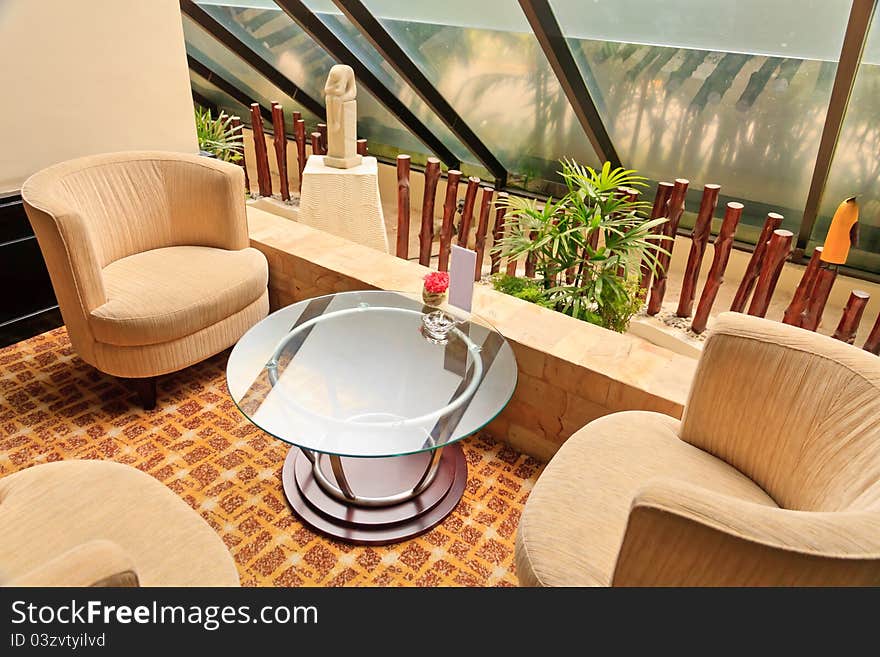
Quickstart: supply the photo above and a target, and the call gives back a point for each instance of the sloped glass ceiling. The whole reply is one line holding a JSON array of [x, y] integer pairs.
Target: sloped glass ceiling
[[224, 102], [483, 57], [855, 170], [202, 47], [275, 37], [714, 91], [731, 92]]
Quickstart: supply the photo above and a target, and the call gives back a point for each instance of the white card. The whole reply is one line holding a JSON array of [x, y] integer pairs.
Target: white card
[[461, 277]]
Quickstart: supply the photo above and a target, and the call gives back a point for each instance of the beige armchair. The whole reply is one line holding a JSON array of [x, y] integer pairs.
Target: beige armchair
[[772, 478], [100, 523], [149, 257]]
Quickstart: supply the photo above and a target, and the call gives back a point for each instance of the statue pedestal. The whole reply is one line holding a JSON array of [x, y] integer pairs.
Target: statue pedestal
[[344, 202], [343, 162]]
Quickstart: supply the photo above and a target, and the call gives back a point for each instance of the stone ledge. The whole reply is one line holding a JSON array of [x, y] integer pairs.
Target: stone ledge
[[570, 372]]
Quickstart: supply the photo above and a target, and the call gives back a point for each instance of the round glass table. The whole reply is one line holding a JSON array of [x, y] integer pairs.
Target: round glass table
[[373, 389]]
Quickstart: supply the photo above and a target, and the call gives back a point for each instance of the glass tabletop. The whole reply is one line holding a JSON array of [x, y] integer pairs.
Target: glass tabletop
[[358, 374]]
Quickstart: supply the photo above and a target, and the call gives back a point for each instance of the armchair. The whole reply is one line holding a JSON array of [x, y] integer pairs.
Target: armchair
[[149, 257], [100, 523], [772, 478]]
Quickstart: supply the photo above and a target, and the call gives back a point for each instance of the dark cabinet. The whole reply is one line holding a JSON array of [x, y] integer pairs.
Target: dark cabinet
[[27, 302]]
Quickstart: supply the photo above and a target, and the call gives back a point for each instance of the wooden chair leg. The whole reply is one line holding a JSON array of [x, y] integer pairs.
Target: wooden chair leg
[[146, 391]]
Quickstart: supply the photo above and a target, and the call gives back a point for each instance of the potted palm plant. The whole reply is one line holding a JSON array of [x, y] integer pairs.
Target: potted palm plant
[[587, 247], [217, 137]]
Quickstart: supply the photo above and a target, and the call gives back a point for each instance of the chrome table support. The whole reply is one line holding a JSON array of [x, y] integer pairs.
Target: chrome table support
[[341, 490]]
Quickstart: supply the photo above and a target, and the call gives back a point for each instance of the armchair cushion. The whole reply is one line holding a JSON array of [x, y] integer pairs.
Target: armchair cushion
[[164, 294], [574, 523]]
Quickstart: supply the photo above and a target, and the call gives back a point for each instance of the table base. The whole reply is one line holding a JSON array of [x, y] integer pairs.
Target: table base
[[330, 516]]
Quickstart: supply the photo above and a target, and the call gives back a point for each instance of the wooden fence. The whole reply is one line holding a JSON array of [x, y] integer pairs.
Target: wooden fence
[[754, 291]]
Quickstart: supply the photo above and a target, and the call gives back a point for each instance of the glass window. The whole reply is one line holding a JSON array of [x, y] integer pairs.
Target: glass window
[[855, 169], [275, 37], [485, 60], [202, 47], [223, 101], [733, 93]]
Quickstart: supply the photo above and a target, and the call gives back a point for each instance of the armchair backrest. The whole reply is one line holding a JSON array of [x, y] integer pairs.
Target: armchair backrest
[[797, 412], [132, 202]]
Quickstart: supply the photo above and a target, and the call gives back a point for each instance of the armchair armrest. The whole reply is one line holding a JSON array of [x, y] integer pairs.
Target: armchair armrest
[[96, 563], [680, 534], [207, 202], [68, 250], [779, 404]]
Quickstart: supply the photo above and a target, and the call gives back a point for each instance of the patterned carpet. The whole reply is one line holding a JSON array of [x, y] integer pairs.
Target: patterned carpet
[[53, 406]]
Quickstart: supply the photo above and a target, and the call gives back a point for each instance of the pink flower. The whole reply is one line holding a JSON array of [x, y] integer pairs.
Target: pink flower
[[437, 282]]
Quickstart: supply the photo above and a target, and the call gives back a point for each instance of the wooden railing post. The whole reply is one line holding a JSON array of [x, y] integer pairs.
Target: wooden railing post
[[426, 234], [316, 143], [715, 278], [771, 223], [626, 193], [279, 140], [498, 231], [699, 239], [675, 208], [630, 195], [818, 297], [482, 229], [449, 205], [774, 260], [510, 269], [237, 127], [794, 313], [593, 238], [299, 134], [264, 179], [403, 216], [362, 147], [322, 130], [531, 259], [661, 200], [851, 317], [467, 212], [296, 116], [872, 344]]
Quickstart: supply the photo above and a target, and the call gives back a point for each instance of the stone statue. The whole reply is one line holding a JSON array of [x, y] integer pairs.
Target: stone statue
[[340, 93]]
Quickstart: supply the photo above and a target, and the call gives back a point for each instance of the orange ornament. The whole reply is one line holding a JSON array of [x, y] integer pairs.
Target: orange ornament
[[842, 233]]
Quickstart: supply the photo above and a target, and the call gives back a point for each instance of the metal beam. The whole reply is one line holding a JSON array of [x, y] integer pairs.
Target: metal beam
[[558, 54], [325, 38], [252, 59], [204, 102], [226, 87], [847, 67], [396, 57]]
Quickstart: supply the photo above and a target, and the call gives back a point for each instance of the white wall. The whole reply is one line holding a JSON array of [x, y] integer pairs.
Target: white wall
[[79, 77]]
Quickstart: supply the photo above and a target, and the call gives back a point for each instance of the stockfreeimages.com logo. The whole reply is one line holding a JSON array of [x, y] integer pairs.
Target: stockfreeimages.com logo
[[210, 617]]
